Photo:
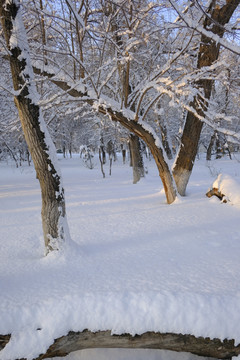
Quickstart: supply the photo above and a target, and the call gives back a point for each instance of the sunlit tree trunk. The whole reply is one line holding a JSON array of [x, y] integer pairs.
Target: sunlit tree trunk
[[41, 148], [155, 148], [218, 15]]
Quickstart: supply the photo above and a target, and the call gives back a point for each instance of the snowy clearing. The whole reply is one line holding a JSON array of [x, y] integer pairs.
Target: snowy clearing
[[136, 264]]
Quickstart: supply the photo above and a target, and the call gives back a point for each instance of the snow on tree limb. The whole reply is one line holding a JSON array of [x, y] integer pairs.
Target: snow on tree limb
[[201, 30]]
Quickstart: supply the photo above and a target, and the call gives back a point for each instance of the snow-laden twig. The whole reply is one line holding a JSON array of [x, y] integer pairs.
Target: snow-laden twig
[[196, 26]]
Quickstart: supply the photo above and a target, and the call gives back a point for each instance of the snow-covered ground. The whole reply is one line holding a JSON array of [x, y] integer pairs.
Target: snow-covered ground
[[136, 264]]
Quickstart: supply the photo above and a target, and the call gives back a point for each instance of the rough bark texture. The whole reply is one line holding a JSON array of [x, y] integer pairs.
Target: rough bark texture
[[216, 192], [74, 341], [4, 339], [210, 147], [215, 20], [53, 202], [165, 142], [201, 346], [136, 157]]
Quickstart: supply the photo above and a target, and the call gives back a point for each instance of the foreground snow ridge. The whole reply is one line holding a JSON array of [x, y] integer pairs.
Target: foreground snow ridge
[[37, 326]]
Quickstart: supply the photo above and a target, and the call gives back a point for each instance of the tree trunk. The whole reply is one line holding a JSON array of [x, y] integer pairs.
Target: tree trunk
[[41, 148], [210, 147], [136, 156], [124, 151], [208, 53], [100, 153], [201, 346], [165, 141], [187, 151], [219, 148]]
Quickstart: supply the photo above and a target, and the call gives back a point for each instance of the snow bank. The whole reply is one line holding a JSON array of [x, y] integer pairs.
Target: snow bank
[[138, 264], [37, 325], [229, 187]]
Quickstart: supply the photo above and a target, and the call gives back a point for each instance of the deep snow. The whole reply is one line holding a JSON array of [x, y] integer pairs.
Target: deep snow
[[137, 264]]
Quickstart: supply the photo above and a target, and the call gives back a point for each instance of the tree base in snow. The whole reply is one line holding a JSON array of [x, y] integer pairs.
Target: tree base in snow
[[74, 341]]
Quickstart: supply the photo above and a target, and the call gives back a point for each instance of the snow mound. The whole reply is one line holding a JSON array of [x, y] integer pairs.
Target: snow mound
[[229, 187]]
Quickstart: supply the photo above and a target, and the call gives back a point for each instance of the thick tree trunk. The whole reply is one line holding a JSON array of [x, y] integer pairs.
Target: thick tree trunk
[[74, 341], [136, 158], [187, 151], [38, 140], [215, 20]]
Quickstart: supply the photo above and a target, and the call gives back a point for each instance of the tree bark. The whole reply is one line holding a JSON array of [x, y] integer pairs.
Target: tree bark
[[4, 339], [201, 346], [210, 147], [100, 153], [136, 157], [216, 192], [165, 142], [124, 151], [38, 140], [215, 20], [149, 340]]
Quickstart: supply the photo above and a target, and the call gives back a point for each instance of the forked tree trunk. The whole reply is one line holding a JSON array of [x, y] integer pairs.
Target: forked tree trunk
[[136, 158], [208, 53], [41, 148]]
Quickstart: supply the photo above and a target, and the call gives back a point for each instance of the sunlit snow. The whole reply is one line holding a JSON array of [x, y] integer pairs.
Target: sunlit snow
[[137, 264]]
